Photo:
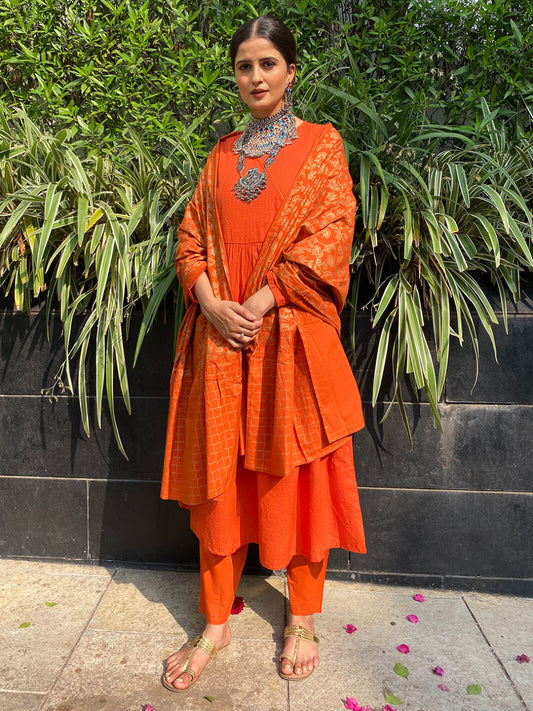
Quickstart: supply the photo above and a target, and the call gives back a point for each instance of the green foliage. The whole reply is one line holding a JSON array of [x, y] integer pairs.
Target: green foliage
[[108, 109], [95, 235]]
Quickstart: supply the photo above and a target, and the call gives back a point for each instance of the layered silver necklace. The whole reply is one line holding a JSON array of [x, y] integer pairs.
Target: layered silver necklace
[[262, 137]]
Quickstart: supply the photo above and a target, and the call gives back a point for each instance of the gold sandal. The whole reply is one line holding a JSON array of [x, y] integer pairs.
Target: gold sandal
[[300, 633], [199, 642]]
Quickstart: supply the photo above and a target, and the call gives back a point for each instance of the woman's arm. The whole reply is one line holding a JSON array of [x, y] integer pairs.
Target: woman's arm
[[261, 302], [230, 318]]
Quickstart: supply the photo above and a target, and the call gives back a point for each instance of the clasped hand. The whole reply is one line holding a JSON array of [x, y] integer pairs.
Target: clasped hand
[[237, 324]]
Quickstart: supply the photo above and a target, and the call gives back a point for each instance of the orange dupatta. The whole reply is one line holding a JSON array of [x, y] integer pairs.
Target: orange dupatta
[[296, 374]]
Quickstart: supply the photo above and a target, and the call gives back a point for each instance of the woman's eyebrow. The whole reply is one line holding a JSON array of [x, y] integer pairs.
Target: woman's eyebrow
[[261, 59]]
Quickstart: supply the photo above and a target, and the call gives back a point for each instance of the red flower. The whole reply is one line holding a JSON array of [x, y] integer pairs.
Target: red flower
[[522, 659], [351, 629], [403, 648], [238, 605]]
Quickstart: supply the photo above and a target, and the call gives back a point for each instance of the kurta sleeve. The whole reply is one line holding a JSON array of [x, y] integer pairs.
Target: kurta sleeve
[[316, 267]]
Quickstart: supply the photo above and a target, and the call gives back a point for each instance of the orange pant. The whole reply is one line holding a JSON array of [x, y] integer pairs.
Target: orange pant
[[220, 575]]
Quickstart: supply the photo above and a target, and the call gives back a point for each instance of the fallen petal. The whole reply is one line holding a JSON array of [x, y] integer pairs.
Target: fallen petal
[[351, 704], [388, 707], [439, 671], [237, 606], [522, 659], [351, 629], [403, 648], [442, 687], [418, 597], [148, 707], [412, 618]]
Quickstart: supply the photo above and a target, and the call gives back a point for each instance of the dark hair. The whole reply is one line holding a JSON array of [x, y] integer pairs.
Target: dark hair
[[271, 29]]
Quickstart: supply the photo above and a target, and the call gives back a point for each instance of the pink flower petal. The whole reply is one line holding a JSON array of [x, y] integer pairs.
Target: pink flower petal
[[351, 704], [351, 629], [388, 707], [443, 687], [403, 648], [237, 606], [412, 618], [439, 671], [522, 659], [148, 707], [418, 597]]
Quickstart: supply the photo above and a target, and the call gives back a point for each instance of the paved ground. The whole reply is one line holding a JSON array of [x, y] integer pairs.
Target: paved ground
[[97, 636]]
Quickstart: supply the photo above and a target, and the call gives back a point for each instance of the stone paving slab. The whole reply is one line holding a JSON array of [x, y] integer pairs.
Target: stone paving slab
[[361, 665], [15, 701], [507, 623], [101, 647], [9, 565], [167, 602], [31, 657], [120, 671]]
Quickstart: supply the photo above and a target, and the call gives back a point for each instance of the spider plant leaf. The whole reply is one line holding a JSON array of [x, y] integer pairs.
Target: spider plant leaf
[[82, 388], [83, 209], [499, 204], [100, 353], [53, 198], [364, 188], [489, 236], [390, 291], [120, 359], [104, 266], [381, 356], [13, 222], [110, 372], [519, 237], [152, 308]]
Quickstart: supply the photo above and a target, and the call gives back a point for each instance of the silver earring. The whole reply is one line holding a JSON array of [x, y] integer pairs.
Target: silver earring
[[288, 96], [240, 105]]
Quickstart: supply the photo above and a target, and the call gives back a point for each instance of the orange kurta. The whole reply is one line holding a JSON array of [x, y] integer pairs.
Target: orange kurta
[[315, 507], [301, 400]]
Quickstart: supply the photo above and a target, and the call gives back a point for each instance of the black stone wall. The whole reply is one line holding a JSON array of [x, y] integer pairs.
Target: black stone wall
[[455, 511]]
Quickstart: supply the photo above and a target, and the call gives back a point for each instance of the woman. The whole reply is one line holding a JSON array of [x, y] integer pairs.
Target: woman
[[263, 401]]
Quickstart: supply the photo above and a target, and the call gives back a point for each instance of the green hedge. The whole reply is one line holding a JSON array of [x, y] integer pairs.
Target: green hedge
[[101, 67], [108, 111]]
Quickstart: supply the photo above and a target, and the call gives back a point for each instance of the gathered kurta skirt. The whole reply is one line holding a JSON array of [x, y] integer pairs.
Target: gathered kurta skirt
[[315, 507]]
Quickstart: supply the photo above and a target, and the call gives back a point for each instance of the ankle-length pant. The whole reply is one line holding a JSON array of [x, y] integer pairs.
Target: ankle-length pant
[[220, 575]]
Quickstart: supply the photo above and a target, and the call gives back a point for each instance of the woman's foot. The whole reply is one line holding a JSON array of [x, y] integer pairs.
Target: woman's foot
[[307, 654], [220, 635]]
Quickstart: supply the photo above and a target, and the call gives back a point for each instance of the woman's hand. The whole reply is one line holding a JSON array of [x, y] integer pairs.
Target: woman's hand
[[234, 322]]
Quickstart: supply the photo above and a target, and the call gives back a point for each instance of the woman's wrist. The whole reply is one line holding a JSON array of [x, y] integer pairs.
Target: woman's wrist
[[261, 302]]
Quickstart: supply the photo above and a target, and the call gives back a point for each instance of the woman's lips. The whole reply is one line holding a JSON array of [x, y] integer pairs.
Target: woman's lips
[[259, 93]]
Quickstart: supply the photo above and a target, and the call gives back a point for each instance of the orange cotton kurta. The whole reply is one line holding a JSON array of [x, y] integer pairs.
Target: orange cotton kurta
[[316, 506], [293, 389]]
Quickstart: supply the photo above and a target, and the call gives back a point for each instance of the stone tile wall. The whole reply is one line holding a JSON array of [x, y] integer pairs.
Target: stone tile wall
[[455, 511]]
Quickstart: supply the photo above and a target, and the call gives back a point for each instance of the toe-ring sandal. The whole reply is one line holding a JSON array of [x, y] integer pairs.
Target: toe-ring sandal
[[199, 642], [300, 633]]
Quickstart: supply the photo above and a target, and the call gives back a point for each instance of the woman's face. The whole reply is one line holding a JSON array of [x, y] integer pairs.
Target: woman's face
[[262, 76]]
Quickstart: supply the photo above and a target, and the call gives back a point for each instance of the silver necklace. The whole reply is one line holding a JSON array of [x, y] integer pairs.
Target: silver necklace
[[262, 137]]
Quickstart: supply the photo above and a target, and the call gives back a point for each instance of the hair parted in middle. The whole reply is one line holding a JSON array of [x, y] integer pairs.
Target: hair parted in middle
[[271, 29]]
